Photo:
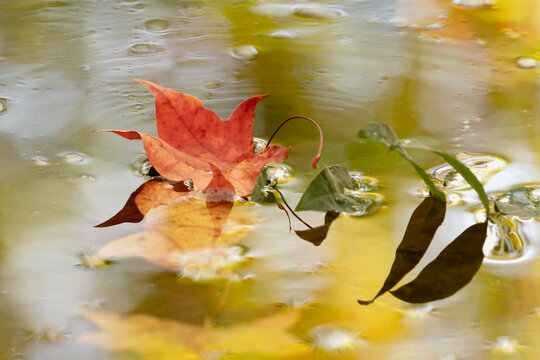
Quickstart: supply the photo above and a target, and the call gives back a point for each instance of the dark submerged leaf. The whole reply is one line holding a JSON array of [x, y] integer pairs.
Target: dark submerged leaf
[[317, 234], [260, 194], [454, 268], [149, 194], [421, 229], [327, 192], [519, 202], [129, 213]]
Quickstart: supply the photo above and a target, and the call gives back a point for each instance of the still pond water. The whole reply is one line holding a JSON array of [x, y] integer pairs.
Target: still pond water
[[461, 76]]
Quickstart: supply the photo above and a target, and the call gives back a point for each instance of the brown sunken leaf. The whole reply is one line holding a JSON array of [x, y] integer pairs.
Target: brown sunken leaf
[[182, 226], [152, 193], [454, 268], [317, 234], [421, 229]]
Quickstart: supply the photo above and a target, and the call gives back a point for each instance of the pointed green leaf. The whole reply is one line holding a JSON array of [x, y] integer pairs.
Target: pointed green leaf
[[454, 268], [331, 190], [424, 222], [379, 132]]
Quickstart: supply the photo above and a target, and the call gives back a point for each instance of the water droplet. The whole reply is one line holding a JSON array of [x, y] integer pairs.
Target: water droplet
[[207, 264], [141, 166], [207, 94], [473, 4], [280, 34], [40, 161], [144, 49], [419, 311], [482, 165], [505, 345], [156, 25], [244, 52], [87, 178], [526, 62], [90, 260], [214, 85], [505, 240], [368, 203], [258, 145], [138, 107], [3, 105], [363, 183], [73, 158], [280, 173], [330, 338], [318, 12]]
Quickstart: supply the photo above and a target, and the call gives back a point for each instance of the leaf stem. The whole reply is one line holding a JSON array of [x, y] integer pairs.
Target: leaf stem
[[290, 209], [317, 157]]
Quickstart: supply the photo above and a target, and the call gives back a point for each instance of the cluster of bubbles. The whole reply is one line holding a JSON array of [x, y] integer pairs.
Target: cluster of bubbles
[[364, 191]]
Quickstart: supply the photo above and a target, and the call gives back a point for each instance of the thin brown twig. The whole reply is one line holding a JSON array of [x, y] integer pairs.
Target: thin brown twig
[[317, 157]]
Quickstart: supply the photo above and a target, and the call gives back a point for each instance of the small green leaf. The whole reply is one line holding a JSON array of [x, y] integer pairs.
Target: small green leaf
[[331, 191], [522, 201], [317, 234], [454, 268], [424, 222], [383, 134], [261, 192], [379, 132]]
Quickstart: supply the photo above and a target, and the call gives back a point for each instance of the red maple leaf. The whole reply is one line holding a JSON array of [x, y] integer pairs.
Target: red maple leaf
[[194, 143]]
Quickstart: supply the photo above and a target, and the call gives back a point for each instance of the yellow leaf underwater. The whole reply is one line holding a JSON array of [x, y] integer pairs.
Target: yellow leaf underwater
[[161, 339], [186, 232]]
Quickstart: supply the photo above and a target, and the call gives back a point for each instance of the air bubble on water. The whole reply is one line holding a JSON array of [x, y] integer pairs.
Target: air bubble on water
[[280, 173], [333, 339], [244, 52], [367, 203], [156, 25], [481, 165], [73, 158], [280, 34], [87, 178], [363, 183], [318, 12], [505, 345], [90, 260], [40, 161], [141, 166], [3, 105], [419, 311], [144, 49], [258, 145], [473, 4], [138, 107], [525, 62], [211, 263], [505, 239]]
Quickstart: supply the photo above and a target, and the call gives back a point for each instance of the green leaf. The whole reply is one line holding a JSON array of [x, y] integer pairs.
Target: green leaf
[[454, 268], [522, 201], [261, 192], [424, 222], [383, 134], [379, 132], [317, 234], [331, 190]]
